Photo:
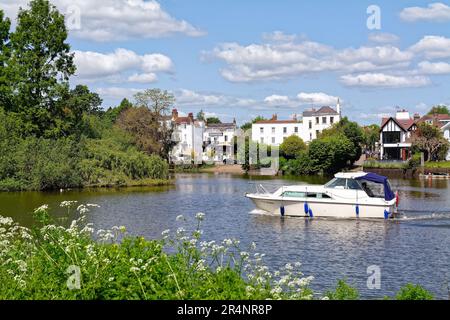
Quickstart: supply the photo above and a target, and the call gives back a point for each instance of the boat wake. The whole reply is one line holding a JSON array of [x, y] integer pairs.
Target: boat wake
[[260, 212], [412, 215]]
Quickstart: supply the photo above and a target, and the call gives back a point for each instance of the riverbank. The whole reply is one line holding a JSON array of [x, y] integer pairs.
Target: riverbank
[[33, 266]]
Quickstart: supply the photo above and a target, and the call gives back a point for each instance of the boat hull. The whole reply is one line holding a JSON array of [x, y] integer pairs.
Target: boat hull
[[322, 209]]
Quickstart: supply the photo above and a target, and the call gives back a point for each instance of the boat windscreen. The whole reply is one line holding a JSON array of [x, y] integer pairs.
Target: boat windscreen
[[372, 177]]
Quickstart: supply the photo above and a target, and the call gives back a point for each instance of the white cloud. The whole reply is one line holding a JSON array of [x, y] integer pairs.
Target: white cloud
[[381, 37], [277, 100], [115, 20], [435, 12], [426, 67], [192, 98], [116, 93], [432, 47], [317, 98], [275, 61], [384, 80], [143, 78], [278, 36], [119, 64]]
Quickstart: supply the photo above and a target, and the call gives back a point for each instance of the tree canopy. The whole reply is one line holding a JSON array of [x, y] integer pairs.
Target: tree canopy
[[430, 140], [292, 146], [213, 120], [439, 109]]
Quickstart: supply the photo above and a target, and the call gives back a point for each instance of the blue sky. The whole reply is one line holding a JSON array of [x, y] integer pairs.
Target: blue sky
[[239, 59]]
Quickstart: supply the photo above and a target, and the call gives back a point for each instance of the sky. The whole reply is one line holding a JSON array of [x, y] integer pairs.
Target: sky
[[240, 59]]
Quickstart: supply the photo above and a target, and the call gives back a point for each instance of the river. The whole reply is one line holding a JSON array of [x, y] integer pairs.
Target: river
[[415, 248]]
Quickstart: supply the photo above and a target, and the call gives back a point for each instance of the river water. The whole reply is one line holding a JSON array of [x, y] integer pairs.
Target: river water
[[412, 249]]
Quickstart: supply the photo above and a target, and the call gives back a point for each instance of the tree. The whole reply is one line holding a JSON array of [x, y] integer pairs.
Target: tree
[[248, 125], [439, 109], [156, 100], [291, 147], [352, 131], [371, 136], [330, 154], [140, 124], [201, 115], [430, 140], [5, 87], [39, 66], [159, 103], [113, 113], [213, 120]]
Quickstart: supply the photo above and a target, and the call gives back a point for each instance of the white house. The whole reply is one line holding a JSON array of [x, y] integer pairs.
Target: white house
[[218, 142], [274, 131], [394, 136], [446, 130], [188, 133], [315, 121]]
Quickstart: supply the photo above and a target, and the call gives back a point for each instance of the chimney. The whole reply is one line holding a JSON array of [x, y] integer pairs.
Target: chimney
[[191, 117], [234, 121], [274, 117], [338, 106], [416, 116], [174, 114], [294, 117]]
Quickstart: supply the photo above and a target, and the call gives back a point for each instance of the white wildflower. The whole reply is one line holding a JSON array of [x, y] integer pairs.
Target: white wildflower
[[200, 216]]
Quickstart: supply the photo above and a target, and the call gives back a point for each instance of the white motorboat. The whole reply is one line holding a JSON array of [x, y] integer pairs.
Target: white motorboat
[[348, 195]]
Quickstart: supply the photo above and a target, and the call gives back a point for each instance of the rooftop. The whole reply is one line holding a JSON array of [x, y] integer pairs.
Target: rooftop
[[322, 111]]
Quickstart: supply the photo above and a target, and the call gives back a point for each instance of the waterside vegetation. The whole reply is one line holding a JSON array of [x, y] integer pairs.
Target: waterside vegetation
[[51, 261]]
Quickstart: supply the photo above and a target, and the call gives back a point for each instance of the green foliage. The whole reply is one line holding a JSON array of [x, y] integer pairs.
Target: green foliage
[[413, 292], [38, 68], [371, 136], [415, 161], [301, 165], [248, 125], [213, 120], [374, 164], [35, 264], [201, 115], [430, 140], [343, 291], [439, 109], [331, 153], [352, 132], [112, 114], [291, 147]]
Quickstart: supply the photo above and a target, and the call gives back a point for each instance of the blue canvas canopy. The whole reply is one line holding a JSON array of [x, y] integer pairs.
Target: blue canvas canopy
[[373, 177]]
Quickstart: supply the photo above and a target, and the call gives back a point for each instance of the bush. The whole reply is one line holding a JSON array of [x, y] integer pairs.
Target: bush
[[291, 147], [413, 292], [343, 291]]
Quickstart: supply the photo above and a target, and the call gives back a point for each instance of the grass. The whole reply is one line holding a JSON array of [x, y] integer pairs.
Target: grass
[[438, 165], [51, 261], [374, 164]]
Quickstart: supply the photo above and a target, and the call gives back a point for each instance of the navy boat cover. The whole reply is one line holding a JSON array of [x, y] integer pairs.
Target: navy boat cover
[[373, 177]]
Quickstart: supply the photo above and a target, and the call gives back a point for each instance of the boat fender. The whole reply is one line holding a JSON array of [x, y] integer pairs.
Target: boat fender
[[282, 211], [357, 210], [386, 214], [306, 208], [397, 199], [310, 213]]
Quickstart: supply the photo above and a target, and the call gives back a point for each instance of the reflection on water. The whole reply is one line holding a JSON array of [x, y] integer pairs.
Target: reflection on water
[[414, 248]]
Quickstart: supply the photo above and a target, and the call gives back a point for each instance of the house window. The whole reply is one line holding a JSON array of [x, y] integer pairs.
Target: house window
[[310, 124], [447, 134], [324, 120], [331, 120], [226, 138], [310, 136], [262, 140], [391, 137], [273, 129], [261, 130], [317, 133], [273, 139], [317, 120], [284, 130], [296, 129]]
